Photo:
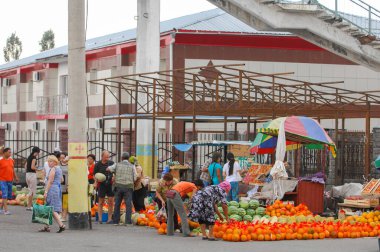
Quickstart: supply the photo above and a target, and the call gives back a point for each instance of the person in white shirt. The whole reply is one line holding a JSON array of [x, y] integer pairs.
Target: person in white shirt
[[232, 173]]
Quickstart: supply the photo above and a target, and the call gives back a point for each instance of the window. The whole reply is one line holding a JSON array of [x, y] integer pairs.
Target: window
[[63, 85], [30, 91], [5, 95]]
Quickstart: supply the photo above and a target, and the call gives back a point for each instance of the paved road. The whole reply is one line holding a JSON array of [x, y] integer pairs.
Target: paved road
[[17, 233]]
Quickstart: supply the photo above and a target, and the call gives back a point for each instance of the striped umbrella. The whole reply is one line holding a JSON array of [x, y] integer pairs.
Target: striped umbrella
[[298, 130]]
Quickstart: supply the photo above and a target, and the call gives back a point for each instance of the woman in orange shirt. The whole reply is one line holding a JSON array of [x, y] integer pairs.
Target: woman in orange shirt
[[175, 198]]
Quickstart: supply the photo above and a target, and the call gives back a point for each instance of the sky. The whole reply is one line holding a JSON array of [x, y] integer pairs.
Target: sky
[[29, 19]]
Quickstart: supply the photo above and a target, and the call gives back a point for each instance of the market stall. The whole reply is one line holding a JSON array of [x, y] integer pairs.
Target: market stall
[[277, 137]]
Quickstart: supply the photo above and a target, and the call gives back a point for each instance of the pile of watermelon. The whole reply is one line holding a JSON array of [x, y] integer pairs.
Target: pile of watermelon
[[244, 211]]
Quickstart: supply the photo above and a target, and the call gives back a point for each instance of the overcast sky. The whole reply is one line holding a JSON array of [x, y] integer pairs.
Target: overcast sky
[[29, 19]]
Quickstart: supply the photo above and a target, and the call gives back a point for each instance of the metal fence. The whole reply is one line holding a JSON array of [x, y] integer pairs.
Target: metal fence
[[21, 143]]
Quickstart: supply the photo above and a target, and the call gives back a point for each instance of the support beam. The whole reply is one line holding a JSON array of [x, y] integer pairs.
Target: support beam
[[337, 163], [367, 155], [77, 120], [147, 60]]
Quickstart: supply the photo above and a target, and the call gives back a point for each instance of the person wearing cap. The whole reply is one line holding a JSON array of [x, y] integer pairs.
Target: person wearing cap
[[175, 198], [204, 206], [125, 177], [140, 191], [31, 176], [165, 184]]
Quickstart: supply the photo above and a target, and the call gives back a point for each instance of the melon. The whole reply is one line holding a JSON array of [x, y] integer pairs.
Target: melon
[[260, 211], [247, 218], [233, 203], [251, 212], [135, 216], [235, 217], [241, 212], [244, 205], [100, 177], [254, 204], [232, 210]]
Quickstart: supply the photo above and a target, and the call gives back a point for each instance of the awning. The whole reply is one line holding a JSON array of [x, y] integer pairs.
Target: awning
[[188, 146]]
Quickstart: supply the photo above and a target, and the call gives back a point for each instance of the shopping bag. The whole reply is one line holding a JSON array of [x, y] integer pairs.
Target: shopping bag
[[42, 214], [161, 214]]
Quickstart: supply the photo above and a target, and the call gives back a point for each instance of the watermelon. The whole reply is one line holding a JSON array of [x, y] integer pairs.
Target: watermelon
[[14, 189], [247, 218], [235, 217], [254, 204], [260, 211], [232, 210], [244, 205], [251, 212], [241, 212], [233, 203]]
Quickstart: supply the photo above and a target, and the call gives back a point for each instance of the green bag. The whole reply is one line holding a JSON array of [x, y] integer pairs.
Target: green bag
[[42, 214]]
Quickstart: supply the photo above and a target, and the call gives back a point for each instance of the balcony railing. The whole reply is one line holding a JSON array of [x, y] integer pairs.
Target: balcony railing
[[53, 107]]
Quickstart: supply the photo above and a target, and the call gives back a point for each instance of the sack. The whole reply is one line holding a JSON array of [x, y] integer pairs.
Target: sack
[[205, 176], [170, 194], [161, 215], [42, 214]]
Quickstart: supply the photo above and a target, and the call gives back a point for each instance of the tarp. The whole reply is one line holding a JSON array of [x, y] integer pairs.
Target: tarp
[[187, 146]]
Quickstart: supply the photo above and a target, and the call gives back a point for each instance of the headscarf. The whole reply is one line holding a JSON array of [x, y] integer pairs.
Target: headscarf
[[225, 185]]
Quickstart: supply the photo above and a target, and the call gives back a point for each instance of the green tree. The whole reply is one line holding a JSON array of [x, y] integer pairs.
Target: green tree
[[13, 48], [47, 41]]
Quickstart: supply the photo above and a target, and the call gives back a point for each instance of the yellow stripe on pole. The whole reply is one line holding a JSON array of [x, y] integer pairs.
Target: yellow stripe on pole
[[78, 183]]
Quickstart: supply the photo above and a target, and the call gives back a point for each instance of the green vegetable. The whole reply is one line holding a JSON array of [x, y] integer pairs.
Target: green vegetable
[[241, 212], [244, 205], [247, 218], [260, 211], [233, 203], [232, 210], [251, 212], [254, 204], [236, 217]]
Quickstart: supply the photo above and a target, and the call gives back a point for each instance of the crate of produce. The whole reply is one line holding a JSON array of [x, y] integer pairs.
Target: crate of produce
[[370, 187]]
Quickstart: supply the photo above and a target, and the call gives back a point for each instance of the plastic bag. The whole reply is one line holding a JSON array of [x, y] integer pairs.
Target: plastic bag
[[161, 214], [42, 214]]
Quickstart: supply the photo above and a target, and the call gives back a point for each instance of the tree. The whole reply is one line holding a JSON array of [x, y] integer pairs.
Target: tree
[[13, 48], [47, 41]]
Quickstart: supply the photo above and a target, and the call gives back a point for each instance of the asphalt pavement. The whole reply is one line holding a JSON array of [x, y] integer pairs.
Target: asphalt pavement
[[17, 233]]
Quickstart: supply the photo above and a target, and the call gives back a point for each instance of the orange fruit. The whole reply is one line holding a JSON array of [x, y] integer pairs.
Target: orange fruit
[[243, 238], [235, 237], [260, 237], [225, 238], [229, 231], [340, 235], [315, 236], [322, 235]]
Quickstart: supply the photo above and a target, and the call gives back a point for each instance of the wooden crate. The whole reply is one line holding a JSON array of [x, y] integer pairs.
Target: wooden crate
[[359, 203], [370, 187]]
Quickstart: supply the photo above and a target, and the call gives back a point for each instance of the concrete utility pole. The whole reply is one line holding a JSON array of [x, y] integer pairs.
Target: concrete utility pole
[[147, 60], [78, 184]]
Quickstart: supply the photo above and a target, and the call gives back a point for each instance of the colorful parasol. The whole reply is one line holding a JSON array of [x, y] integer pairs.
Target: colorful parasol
[[298, 130]]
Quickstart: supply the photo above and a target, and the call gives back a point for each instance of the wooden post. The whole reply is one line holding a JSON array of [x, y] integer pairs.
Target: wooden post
[[248, 127], [341, 156], [337, 165], [119, 125], [367, 168], [225, 128]]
